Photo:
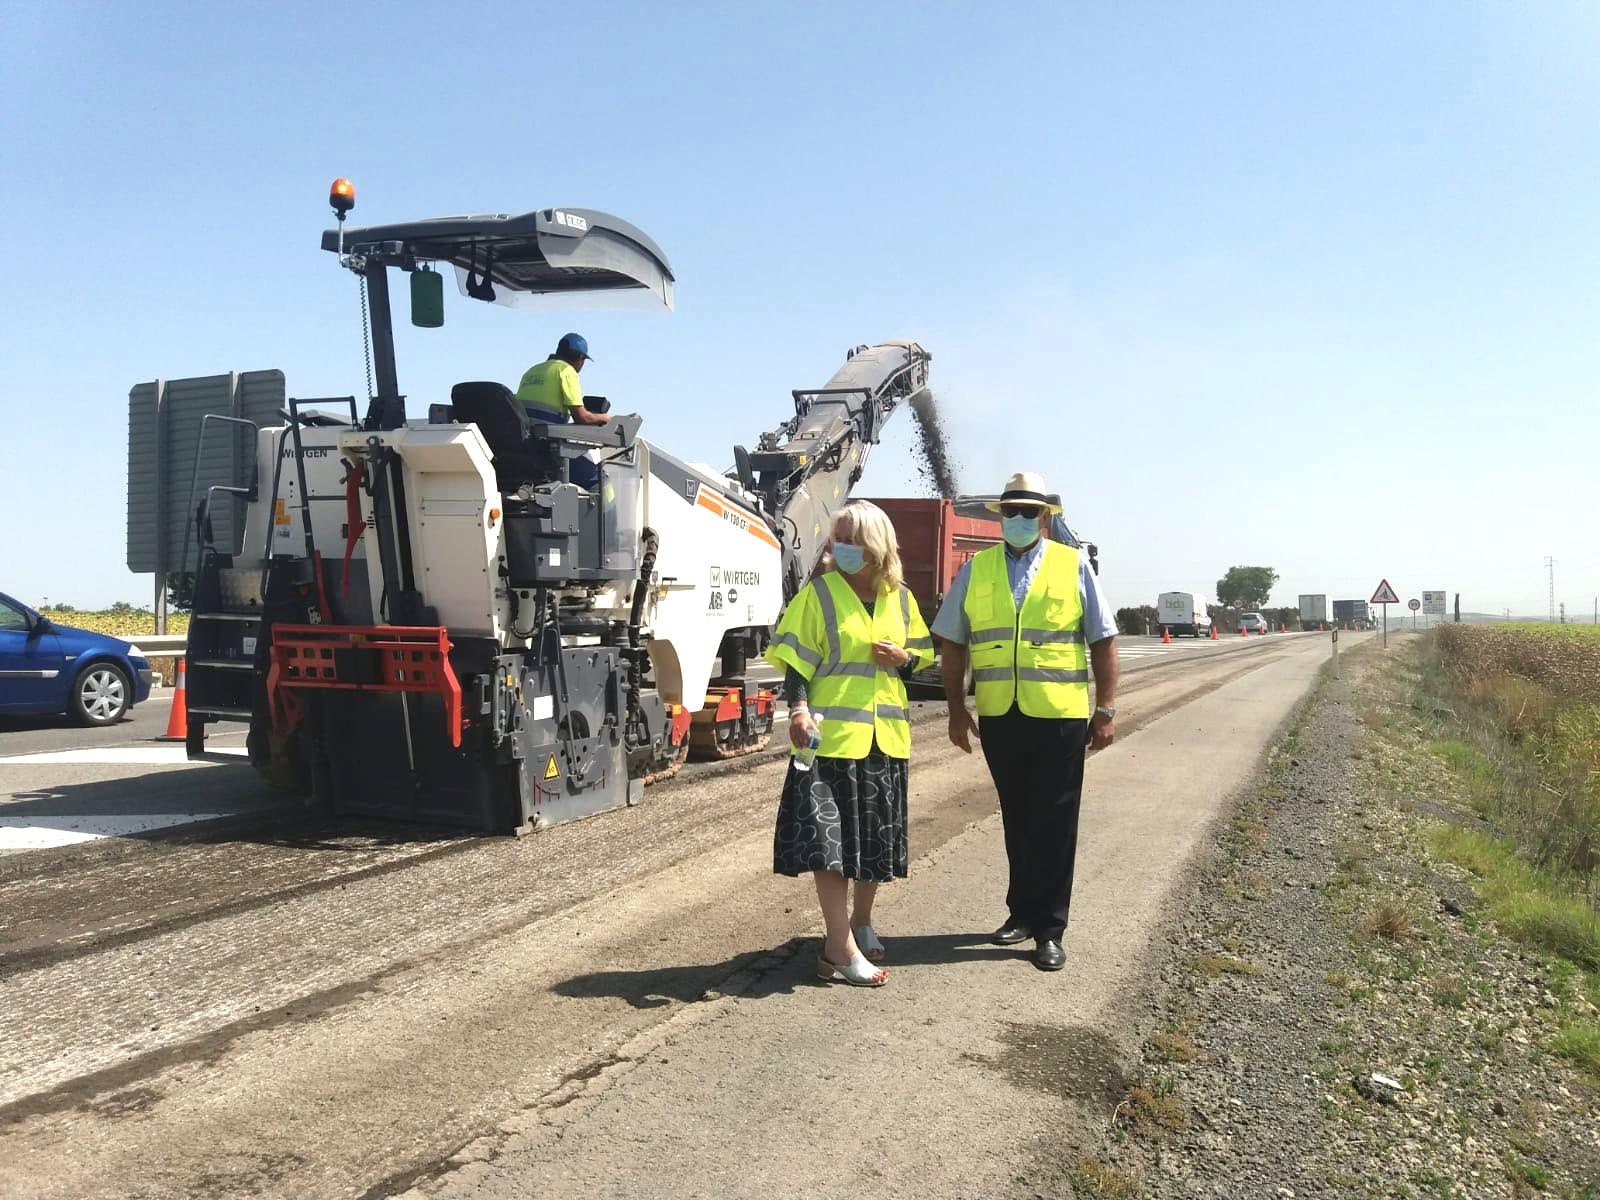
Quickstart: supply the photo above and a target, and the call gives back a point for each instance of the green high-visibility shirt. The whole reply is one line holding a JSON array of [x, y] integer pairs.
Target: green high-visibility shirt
[[551, 386]]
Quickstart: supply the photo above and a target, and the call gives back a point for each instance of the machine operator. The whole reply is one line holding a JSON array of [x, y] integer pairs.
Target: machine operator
[[549, 390]]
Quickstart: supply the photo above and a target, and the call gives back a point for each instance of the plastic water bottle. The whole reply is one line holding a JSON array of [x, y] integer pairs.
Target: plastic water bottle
[[805, 755]]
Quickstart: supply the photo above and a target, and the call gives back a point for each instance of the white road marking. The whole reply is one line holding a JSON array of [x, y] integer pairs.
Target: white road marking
[[43, 833], [151, 756]]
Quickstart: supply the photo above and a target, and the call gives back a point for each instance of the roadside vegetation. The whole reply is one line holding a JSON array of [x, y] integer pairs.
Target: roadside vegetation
[[121, 620], [1524, 702], [1389, 985]]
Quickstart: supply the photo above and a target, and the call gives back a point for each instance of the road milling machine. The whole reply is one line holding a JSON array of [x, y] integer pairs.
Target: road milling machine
[[429, 619]]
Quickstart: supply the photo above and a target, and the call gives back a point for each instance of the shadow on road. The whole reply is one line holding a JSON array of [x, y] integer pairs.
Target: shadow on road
[[778, 970]]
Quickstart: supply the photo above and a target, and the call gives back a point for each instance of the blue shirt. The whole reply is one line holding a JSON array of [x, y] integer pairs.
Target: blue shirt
[[1098, 624]]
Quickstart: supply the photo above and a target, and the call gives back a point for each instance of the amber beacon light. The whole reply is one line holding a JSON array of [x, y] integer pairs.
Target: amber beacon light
[[342, 196]]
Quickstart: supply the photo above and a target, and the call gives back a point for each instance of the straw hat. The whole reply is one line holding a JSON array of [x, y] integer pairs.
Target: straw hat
[[1026, 487]]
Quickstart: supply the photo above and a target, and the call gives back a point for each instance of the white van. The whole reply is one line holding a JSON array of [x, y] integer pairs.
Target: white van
[[1183, 612]]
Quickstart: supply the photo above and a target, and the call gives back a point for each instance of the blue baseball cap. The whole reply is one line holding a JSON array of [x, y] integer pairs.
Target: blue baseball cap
[[573, 343]]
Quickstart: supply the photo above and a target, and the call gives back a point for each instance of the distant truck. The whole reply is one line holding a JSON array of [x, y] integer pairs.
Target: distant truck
[[1352, 612], [935, 542], [1183, 613], [1313, 611]]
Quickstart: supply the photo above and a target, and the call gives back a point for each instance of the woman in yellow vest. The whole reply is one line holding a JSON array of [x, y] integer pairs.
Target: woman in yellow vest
[[846, 644]]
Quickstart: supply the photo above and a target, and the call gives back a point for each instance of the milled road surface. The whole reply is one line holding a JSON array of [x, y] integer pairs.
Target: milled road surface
[[335, 1010]]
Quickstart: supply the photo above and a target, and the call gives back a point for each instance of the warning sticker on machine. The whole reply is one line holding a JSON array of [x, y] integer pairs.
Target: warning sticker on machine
[[280, 515], [551, 771]]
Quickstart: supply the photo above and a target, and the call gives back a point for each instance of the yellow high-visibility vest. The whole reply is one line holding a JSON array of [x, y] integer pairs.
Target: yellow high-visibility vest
[[551, 387], [826, 634], [1035, 658]]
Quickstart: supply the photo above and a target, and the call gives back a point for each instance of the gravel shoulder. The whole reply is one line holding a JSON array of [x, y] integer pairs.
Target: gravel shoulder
[[1334, 1016]]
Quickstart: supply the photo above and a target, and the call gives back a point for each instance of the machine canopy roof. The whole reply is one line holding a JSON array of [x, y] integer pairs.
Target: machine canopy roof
[[554, 253]]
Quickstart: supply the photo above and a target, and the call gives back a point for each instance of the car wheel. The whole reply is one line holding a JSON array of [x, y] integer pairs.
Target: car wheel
[[100, 695]]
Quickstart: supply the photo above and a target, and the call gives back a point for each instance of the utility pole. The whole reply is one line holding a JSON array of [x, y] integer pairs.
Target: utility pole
[[1550, 568], [1563, 612]]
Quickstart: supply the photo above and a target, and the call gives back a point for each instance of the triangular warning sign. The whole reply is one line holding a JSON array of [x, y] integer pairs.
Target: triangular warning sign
[[1385, 594], [551, 771]]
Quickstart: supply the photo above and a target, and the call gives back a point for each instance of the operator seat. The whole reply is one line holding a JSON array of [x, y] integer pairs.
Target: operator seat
[[504, 424]]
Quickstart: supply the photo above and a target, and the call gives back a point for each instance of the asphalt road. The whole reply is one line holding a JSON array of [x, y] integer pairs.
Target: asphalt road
[[49, 734], [63, 785], [312, 1008]]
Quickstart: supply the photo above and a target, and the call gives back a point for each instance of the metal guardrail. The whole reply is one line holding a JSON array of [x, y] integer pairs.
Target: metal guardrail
[[167, 645]]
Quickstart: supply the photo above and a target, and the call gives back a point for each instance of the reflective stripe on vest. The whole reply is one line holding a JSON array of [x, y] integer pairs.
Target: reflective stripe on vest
[[857, 700], [1035, 658], [826, 634]]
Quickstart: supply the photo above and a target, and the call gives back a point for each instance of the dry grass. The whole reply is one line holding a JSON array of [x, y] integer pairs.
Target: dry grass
[[1175, 1045], [1095, 1178], [1251, 832], [1152, 1109], [1529, 696], [1213, 965], [1391, 921]]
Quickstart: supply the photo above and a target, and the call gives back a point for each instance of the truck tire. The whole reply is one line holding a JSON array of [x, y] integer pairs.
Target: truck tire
[[101, 695]]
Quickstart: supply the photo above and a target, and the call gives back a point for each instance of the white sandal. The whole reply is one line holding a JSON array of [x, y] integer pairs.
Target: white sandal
[[858, 972], [869, 943]]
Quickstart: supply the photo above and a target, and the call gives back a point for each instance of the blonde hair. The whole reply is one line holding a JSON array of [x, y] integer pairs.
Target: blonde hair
[[868, 526]]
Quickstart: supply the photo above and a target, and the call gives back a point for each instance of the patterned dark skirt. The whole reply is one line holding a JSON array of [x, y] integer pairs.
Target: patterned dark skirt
[[846, 815]]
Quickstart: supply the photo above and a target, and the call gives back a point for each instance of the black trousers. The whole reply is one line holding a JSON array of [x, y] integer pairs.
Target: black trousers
[[1037, 767]]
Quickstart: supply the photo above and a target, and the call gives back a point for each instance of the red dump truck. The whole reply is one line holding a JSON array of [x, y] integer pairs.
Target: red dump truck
[[934, 543]]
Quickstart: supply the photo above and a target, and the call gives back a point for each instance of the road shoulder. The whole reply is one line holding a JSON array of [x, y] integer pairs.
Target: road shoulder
[[1336, 1018]]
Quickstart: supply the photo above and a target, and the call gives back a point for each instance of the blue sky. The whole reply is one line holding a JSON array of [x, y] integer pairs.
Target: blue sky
[[1249, 284]]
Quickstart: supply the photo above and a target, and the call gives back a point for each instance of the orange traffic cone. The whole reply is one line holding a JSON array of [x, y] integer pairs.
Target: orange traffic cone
[[1166, 636], [1213, 631], [178, 718], [1282, 628], [1243, 632]]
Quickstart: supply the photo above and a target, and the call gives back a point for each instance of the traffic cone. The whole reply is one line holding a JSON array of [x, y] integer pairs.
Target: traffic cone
[[1282, 628], [178, 718], [1166, 636], [1213, 631], [1243, 632]]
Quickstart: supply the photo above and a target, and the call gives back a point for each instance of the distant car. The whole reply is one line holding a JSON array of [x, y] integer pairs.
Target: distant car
[[48, 668], [1253, 623]]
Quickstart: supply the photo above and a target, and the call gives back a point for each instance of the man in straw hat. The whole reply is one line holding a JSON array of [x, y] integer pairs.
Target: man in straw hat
[[1029, 615]]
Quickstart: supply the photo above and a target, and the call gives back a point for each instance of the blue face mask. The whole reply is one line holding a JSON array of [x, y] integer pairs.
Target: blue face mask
[[1020, 532], [848, 558]]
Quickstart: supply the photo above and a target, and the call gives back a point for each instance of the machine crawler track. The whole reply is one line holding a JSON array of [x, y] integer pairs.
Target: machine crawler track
[[723, 729]]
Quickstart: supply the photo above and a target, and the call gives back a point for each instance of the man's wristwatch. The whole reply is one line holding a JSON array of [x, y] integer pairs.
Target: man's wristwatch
[[1108, 711]]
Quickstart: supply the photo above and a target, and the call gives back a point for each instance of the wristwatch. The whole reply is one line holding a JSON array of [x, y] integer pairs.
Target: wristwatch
[[1109, 711]]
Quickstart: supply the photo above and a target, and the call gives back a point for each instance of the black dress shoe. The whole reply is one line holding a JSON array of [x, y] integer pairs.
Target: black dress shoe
[[1048, 955], [1010, 934]]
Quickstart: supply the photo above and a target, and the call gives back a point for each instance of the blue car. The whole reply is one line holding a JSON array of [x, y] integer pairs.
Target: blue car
[[48, 668]]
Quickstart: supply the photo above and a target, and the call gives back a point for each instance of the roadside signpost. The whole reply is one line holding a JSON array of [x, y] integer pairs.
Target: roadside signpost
[[1385, 595], [1413, 604], [1434, 605]]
